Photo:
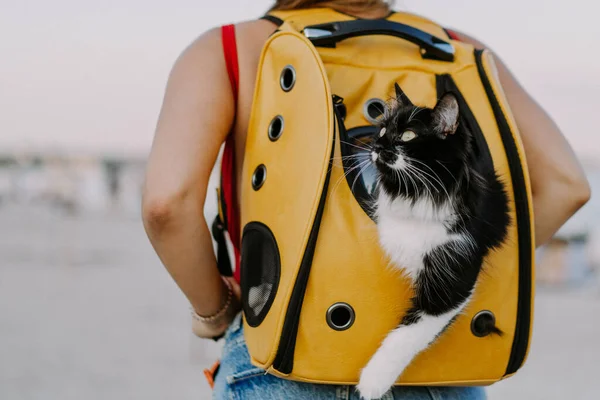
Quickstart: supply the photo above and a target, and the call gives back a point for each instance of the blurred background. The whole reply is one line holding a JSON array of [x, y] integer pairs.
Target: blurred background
[[86, 309]]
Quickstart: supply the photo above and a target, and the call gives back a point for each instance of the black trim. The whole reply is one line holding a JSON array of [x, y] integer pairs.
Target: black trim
[[218, 233], [222, 201], [522, 326], [483, 156], [284, 360], [248, 268], [358, 189], [218, 229], [330, 33], [273, 19]]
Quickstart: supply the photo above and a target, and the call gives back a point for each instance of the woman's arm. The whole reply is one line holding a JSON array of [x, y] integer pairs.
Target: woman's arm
[[559, 185], [196, 116]]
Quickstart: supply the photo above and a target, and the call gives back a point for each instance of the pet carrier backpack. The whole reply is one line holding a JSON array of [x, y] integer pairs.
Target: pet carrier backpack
[[318, 295]]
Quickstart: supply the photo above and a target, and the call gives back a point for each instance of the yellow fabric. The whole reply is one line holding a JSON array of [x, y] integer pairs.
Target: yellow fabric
[[348, 264], [292, 158]]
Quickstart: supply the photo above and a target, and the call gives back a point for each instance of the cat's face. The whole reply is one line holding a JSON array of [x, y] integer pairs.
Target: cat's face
[[420, 150]]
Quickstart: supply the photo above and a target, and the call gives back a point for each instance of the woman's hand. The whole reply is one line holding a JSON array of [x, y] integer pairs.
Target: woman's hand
[[216, 325], [558, 182]]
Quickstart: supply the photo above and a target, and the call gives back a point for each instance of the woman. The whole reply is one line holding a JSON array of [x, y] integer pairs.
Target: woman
[[201, 107]]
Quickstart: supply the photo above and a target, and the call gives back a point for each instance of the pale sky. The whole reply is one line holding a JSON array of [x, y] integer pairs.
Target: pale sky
[[82, 75]]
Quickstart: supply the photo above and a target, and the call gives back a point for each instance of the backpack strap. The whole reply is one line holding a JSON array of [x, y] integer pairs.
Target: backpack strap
[[228, 217], [272, 18]]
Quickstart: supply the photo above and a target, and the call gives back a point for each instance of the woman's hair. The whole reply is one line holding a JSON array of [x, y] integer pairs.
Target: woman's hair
[[349, 6]]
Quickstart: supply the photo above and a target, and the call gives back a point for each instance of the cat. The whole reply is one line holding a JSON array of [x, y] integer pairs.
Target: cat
[[437, 218]]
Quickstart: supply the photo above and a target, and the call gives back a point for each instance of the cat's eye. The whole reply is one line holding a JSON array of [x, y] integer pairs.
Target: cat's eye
[[407, 136]]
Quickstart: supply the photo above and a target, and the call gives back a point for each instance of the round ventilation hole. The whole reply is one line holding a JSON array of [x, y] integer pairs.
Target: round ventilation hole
[[259, 177], [373, 110], [276, 128], [483, 323], [340, 316], [288, 78]]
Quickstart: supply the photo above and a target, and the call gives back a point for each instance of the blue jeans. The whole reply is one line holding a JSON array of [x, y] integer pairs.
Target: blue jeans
[[238, 379]]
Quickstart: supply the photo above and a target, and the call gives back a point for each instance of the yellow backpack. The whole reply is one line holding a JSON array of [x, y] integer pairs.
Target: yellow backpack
[[318, 297]]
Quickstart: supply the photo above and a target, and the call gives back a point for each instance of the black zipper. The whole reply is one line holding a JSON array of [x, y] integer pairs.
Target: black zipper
[[284, 359], [522, 326]]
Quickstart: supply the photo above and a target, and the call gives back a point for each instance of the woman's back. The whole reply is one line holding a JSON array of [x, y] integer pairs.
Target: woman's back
[[200, 111]]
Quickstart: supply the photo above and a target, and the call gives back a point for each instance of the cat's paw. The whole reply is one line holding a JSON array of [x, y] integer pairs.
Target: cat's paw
[[376, 379]]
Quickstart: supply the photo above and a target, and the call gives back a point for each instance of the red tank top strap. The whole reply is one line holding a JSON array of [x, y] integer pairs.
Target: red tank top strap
[[228, 181], [452, 34], [231, 58]]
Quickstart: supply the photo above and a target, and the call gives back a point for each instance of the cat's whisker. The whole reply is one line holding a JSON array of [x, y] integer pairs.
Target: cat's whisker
[[362, 169], [349, 171], [431, 169], [414, 113], [401, 175], [414, 172], [420, 171], [356, 146], [421, 189], [350, 157], [353, 168], [415, 186], [425, 175], [423, 180], [446, 168]]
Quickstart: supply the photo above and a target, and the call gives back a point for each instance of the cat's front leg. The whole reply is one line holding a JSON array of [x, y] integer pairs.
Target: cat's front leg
[[397, 351], [386, 365]]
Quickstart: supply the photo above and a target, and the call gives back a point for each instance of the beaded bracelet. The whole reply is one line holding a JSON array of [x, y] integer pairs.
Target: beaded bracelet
[[219, 313]]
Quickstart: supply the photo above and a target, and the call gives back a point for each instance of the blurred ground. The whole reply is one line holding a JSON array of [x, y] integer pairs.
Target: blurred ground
[[88, 312]]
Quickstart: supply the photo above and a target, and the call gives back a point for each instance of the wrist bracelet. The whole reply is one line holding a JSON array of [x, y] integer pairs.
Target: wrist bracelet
[[219, 313]]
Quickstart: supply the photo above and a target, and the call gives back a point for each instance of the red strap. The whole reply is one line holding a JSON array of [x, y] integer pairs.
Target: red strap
[[452, 34], [227, 164], [231, 58]]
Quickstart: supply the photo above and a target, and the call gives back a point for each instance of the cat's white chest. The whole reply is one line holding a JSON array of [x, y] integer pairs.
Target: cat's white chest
[[407, 231]]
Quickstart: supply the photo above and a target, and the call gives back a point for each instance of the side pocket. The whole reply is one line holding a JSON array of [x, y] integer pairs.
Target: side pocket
[[260, 271]]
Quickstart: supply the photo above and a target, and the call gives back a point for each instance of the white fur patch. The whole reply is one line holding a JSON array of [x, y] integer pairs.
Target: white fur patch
[[374, 156], [400, 163], [397, 351], [408, 232]]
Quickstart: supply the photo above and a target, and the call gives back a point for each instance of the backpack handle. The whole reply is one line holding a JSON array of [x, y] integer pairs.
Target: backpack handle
[[328, 34]]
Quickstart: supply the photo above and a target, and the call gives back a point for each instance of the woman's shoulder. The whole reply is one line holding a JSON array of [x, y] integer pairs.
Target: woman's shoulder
[[463, 37], [250, 35]]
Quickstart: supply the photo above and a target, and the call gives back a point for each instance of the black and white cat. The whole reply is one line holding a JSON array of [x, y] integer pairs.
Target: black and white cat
[[437, 218]]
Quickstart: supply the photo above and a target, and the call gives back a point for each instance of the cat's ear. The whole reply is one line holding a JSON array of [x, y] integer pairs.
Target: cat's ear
[[445, 115], [401, 97]]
